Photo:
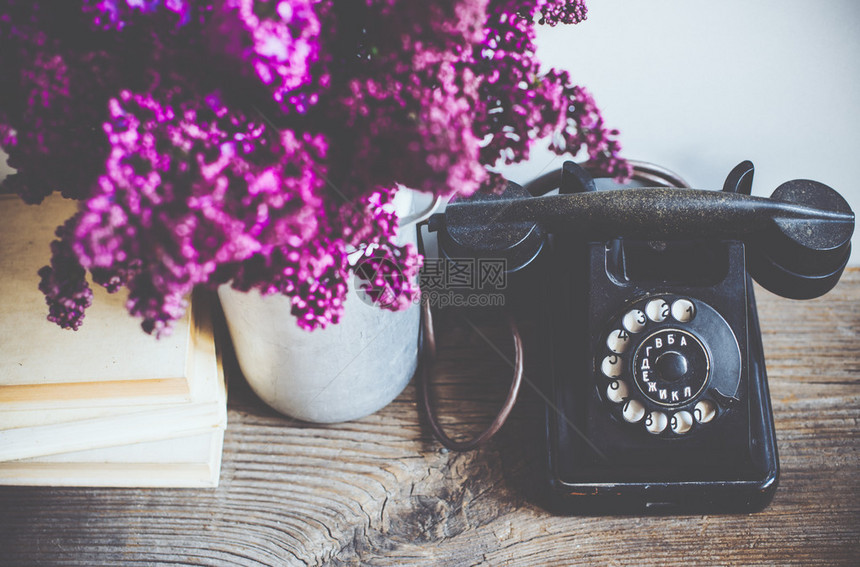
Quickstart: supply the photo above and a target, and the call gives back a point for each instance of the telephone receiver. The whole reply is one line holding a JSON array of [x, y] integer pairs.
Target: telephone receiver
[[798, 240], [649, 363]]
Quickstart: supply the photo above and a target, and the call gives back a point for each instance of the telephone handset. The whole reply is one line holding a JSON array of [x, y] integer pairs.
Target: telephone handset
[[654, 380]]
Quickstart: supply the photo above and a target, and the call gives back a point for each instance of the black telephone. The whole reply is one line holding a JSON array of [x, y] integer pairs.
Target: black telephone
[[654, 381]]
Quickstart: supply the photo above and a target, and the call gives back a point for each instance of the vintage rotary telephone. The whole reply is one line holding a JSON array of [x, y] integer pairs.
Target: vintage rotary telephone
[[654, 380]]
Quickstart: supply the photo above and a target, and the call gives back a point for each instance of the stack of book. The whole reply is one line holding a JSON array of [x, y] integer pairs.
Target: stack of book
[[107, 405]]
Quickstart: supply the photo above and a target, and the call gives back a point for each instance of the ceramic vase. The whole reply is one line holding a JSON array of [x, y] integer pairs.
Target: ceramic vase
[[340, 373]]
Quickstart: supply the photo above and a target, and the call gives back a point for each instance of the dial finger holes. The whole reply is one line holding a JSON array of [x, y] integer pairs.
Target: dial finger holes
[[657, 310], [656, 422], [611, 366], [681, 422], [617, 391], [634, 321], [633, 411], [618, 341], [705, 411], [683, 310]]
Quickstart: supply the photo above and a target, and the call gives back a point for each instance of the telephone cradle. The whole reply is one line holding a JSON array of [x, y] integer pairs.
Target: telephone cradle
[[652, 371]]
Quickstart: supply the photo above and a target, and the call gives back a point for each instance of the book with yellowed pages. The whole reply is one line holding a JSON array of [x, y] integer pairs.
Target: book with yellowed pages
[[181, 462], [29, 433], [173, 445], [159, 445], [36, 433], [95, 411], [108, 361]]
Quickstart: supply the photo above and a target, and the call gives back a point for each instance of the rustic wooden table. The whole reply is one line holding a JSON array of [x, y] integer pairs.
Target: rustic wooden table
[[381, 491]]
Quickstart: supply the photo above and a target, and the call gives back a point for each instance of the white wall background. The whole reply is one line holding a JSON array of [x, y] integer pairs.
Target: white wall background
[[700, 85]]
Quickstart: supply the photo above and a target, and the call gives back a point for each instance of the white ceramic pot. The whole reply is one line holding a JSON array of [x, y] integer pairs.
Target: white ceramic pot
[[343, 372]]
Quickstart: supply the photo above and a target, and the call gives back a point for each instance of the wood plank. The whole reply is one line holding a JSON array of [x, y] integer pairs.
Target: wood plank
[[380, 491]]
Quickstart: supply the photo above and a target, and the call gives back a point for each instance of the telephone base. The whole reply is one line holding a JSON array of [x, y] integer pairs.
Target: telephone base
[[646, 488]]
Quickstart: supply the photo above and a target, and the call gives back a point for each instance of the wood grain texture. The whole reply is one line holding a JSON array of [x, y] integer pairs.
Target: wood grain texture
[[380, 491]]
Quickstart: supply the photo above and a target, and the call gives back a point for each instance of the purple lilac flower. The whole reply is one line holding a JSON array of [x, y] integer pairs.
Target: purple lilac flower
[[64, 282], [181, 196], [49, 103], [116, 14], [518, 104], [555, 12], [390, 275], [584, 128], [406, 102], [417, 137], [276, 41], [260, 142]]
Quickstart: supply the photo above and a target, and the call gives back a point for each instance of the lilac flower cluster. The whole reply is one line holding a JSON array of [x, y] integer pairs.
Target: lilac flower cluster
[[561, 12], [274, 42], [260, 142]]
